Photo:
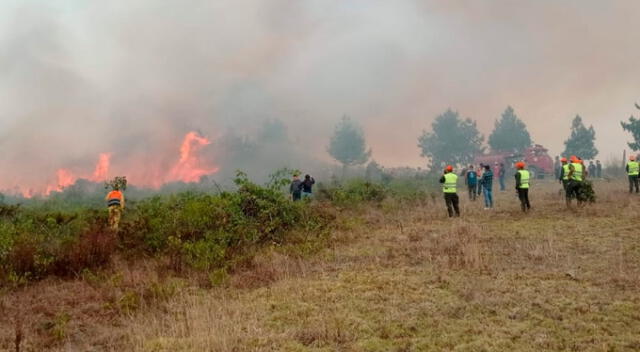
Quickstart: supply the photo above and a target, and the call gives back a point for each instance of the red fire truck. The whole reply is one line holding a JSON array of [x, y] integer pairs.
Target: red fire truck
[[537, 159]]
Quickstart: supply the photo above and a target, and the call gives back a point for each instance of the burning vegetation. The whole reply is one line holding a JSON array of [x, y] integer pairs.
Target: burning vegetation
[[189, 167]]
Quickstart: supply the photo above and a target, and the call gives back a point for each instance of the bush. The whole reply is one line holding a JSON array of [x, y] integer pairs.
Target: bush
[[192, 229]]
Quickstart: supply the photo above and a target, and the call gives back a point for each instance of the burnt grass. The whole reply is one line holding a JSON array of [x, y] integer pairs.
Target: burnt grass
[[373, 273]]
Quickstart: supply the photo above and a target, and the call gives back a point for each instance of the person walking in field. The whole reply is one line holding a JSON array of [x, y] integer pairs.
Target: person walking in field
[[598, 169], [479, 188], [295, 188], [633, 170], [115, 204], [307, 186], [564, 174], [577, 174], [471, 179], [501, 174], [522, 186], [449, 182], [487, 187]]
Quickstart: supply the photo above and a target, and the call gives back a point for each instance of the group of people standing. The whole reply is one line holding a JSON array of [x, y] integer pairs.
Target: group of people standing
[[481, 181], [301, 189]]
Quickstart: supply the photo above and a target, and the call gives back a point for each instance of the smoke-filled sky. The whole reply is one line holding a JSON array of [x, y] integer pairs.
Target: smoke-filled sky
[[132, 77]]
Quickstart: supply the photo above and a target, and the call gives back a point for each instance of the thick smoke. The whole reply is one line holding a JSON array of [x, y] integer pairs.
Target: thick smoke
[[132, 78]]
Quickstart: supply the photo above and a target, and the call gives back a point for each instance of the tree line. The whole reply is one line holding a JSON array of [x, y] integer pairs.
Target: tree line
[[456, 141]]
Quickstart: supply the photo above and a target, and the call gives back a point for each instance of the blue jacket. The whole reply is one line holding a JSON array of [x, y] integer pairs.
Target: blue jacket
[[487, 179], [472, 178]]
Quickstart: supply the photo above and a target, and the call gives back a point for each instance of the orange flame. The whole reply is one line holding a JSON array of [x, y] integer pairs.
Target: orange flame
[[188, 168], [65, 178], [102, 168]]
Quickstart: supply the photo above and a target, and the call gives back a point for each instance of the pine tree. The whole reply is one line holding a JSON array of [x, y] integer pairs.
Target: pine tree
[[452, 141], [348, 144], [509, 134], [633, 127], [581, 142]]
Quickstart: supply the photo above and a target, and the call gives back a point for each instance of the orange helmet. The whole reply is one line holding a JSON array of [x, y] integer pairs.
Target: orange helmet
[[449, 168], [520, 165], [564, 160], [632, 157]]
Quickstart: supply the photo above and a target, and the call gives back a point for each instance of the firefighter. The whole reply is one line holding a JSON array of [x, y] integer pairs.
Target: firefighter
[[576, 179], [522, 186], [633, 170], [564, 174], [449, 182], [115, 203]]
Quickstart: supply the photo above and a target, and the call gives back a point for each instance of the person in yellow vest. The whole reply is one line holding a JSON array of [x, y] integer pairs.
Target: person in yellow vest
[[115, 203], [449, 182], [564, 174], [577, 174], [633, 170], [522, 186]]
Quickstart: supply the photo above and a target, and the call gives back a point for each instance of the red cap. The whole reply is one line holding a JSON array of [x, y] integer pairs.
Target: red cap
[[520, 165], [564, 160], [449, 168]]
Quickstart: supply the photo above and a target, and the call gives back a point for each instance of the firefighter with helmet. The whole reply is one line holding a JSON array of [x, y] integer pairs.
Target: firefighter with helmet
[[523, 176], [449, 182], [115, 201]]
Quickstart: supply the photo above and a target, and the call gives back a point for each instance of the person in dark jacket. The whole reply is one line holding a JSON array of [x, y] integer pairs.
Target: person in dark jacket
[[307, 186], [295, 189], [479, 188], [471, 179], [487, 187], [501, 174]]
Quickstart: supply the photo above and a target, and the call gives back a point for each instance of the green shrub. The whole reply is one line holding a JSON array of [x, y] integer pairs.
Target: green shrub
[[194, 229]]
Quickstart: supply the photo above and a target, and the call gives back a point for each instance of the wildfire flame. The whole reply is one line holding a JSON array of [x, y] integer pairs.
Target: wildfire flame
[[102, 168], [65, 178], [189, 168]]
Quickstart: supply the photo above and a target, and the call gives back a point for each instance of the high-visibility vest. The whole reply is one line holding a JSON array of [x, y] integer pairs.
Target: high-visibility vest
[[634, 168], [450, 183], [114, 198], [578, 172], [565, 172], [524, 178]]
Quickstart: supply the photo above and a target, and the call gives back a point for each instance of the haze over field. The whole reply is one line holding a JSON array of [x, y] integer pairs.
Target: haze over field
[[133, 78]]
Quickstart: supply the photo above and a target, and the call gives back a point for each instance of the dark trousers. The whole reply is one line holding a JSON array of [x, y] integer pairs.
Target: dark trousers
[[452, 201], [472, 192], [633, 182], [296, 196], [574, 191], [523, 195], [565, 185]]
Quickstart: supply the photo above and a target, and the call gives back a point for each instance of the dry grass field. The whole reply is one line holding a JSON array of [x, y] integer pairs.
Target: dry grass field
[[554, 279], [399, 278]]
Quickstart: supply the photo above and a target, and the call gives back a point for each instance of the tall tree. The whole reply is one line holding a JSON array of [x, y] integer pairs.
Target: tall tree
[[348, 145], [509, 134], [581, 142], [452, 141], [633, 127]]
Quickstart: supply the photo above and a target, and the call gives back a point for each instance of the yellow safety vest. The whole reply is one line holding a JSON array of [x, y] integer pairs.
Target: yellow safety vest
[[524, 178], [565, 173], [450, 183], [578, 172], [634, 168]]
